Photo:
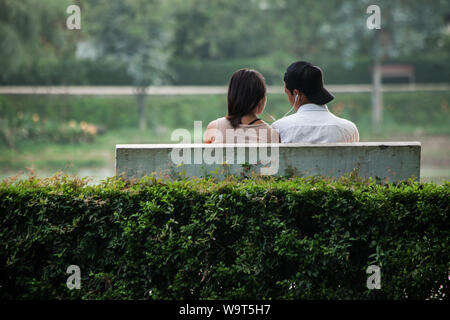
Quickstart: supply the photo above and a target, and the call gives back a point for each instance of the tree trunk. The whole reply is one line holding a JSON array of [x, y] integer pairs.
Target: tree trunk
[[377, 95], [141, 97]]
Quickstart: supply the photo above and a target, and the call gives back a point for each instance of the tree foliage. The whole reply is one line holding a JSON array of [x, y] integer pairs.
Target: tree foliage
[[408, 28], [148, 37], [134, 32], [34, 40]]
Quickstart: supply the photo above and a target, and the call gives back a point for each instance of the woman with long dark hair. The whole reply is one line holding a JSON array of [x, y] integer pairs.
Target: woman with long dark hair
[[246, 100]]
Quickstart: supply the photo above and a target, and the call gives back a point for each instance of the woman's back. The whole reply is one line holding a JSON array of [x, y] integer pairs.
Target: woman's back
[[259, 132]]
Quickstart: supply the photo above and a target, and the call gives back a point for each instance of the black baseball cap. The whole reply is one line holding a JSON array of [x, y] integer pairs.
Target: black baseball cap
[[307, 79]]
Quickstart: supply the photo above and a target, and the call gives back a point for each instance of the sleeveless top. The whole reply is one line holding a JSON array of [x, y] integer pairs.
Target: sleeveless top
[[260, 132]]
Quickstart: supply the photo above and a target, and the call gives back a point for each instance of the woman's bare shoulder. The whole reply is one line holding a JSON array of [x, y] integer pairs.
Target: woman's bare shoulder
[[212, 124]]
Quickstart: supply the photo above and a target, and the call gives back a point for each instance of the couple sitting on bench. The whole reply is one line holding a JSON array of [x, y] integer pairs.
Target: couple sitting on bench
[[311, 123]]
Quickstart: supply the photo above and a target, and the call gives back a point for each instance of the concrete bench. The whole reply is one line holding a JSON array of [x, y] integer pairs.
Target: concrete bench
[[384, 160]]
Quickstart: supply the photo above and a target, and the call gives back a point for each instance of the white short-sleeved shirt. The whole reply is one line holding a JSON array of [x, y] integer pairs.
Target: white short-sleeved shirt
[[315, 124]]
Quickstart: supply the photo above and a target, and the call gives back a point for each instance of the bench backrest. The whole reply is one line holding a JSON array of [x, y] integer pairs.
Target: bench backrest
[[384, 160]]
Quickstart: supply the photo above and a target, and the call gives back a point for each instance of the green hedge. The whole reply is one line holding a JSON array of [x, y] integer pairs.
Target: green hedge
[[200, 239]]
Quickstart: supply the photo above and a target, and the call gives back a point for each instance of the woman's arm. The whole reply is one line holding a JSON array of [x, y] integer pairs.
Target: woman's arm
[[210, 132]]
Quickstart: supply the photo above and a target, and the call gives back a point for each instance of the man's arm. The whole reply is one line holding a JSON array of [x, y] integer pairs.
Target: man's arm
[[355, 137], [276, 128]]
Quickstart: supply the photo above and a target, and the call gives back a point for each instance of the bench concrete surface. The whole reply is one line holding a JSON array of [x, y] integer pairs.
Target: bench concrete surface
[[384, 160]]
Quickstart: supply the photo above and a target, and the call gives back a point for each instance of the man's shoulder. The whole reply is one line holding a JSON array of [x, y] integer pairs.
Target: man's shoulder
[[281, 123], [344, 122]]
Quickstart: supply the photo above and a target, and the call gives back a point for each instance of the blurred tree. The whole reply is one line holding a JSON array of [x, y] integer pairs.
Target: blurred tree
[[136, 33], [326, 32], [34, 40], [298, 26], [221, 29], [211, 38], [271, 33], [407, 28]]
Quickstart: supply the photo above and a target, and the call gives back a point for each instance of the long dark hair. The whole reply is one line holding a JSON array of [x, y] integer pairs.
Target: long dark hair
[[245, 91]]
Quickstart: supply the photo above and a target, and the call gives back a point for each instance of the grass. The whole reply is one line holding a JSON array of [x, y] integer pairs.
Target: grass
[[404, 112], [71, 157], [437, 175], [97, 159], [419, 116]]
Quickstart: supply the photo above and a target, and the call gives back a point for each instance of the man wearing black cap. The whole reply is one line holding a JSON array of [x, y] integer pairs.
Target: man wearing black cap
[[312, 122]]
